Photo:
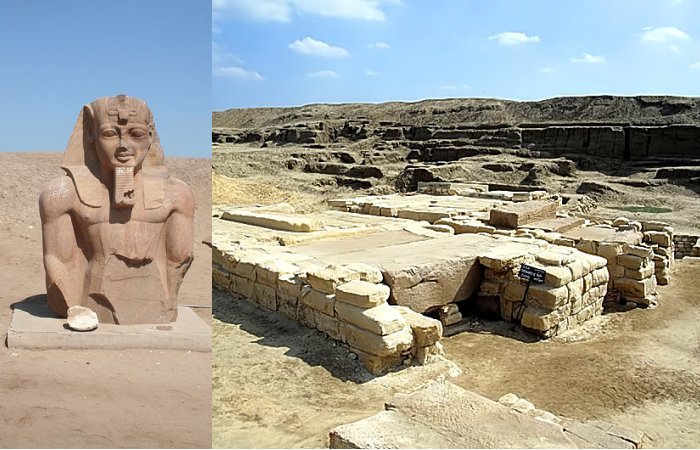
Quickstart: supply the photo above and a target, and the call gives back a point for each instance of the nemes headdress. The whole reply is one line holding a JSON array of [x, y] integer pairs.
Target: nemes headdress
[[81, 163]]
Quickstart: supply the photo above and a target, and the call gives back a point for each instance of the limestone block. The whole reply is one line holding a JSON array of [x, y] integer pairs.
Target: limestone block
[[362, 293], [557, 276], [327, 279], [609, 251], [554, 258], [268, 272], [288, 305], [388, 211], [658, 237], [220, 278], [507, 310], [379, 365], [366, 272], [540, 319], [616, 271], [425, 286], [229, 261], [274, 221], [585, 314], [306, 315], [522, 406], [265, 296], [637, 288], [441, 228], [638, 250], [408, 214], [216, 255], [590, 247], [490, 287], [641, 273], [242, 286], [632, 261], [620, 221], [382, 320], [575, 288], [576, 268], [508, 400], [290, 285], [566, 242], [332, 326], [432, 216], [600, 276], [547, 296], [500, 259], [317, 300], [514, 215], [663, 277], [426, 331], [427, 355], [379, 345], [636, 225], [246, 267], [514, 292], [596, 262], [654, 225]]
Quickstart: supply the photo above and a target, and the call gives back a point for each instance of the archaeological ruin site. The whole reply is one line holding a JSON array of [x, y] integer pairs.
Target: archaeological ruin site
[[418, 234]]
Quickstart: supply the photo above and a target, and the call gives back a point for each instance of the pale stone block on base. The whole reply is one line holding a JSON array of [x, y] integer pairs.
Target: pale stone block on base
[[34, 326]]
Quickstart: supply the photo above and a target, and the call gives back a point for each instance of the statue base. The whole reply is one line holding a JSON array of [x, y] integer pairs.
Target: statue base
[[35, 326]]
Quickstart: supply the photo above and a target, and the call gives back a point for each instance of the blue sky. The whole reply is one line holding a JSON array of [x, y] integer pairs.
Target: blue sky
[[56, 56], [294, 52]]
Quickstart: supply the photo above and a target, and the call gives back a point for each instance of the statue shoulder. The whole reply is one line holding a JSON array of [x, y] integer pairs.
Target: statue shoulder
[[57, 196], [182, 195]]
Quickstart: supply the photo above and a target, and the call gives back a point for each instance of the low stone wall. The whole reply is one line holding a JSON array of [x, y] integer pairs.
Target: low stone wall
[[573, 292], [346, 302], [684, 244]]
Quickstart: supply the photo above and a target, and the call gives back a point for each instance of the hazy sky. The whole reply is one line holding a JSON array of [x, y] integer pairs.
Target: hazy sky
[[56, 56], [293, 52]]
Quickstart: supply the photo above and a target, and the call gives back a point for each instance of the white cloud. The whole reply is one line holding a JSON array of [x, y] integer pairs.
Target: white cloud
[[513, 38], [258, 10], [371, 73], [284, 10], [455, 87], [236, 72], [695, 66], [380, 46], [323, 74], [663, 35], [547, 70], [589, 59], [310, 46], [227, 65]]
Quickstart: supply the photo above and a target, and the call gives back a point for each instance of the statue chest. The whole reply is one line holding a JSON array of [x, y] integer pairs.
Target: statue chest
[[136, 241]]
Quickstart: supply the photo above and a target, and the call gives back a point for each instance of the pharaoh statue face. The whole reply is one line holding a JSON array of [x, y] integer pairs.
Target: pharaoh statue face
[[121, 131]]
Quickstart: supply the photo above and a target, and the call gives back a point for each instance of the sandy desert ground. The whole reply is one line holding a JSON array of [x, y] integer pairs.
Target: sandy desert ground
[[91, 398]]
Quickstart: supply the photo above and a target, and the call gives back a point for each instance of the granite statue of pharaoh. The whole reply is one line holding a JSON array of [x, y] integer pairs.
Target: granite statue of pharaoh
[[117, 229]]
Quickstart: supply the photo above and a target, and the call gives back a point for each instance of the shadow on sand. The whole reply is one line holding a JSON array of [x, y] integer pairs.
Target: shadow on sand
[[273, 329]]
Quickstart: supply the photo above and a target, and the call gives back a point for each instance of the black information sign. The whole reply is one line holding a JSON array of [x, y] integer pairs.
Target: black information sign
[[530, 273]]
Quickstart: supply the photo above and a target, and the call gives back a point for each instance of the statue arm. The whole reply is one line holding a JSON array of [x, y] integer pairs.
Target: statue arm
[[61, 252], [180, 235]]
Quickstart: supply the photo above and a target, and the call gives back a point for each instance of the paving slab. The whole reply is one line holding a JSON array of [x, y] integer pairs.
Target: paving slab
[[558, 225], [34, 326], [444, 415], [605, 234], [517, 214]]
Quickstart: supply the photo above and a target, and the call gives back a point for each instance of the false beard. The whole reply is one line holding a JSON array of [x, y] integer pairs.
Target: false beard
[[124, 194]]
